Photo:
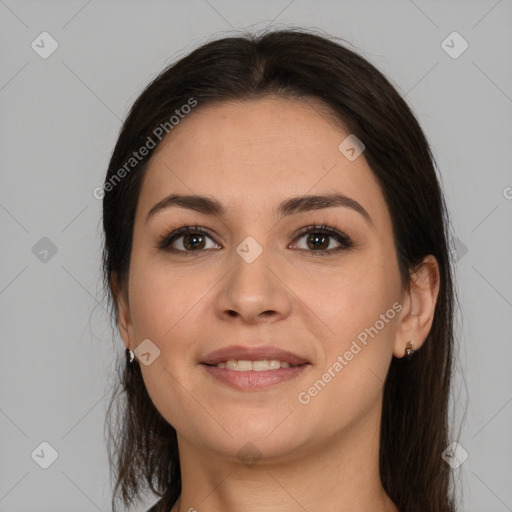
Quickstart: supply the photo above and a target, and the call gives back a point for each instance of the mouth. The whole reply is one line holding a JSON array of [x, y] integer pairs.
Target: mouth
[[259, 355], [253, 369], [246, 365]]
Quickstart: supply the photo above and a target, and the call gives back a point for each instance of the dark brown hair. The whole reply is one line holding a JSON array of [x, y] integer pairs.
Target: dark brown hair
[[299, 64]]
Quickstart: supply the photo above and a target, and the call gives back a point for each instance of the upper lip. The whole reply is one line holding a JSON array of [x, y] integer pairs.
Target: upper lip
[[238, 352]]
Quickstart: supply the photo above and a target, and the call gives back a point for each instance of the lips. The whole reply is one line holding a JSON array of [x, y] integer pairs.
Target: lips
[[253, 369], [238, 352]]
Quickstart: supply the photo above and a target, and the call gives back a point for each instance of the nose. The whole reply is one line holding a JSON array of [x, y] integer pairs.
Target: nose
[[253, 292]]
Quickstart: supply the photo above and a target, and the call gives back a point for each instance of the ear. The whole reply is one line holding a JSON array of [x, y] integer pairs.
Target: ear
[[124, 321], [419, 303]]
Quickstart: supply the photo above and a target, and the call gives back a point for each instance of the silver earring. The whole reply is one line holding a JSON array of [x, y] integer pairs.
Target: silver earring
[[130, 356], [409, 351]]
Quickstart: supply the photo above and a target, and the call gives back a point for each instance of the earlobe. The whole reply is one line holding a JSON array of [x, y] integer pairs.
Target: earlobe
[[417, 315]]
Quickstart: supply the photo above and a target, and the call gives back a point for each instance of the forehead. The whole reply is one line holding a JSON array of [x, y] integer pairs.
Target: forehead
[[252, 154]]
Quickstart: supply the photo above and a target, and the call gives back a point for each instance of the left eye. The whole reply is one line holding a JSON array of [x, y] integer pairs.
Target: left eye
[[319, 238]]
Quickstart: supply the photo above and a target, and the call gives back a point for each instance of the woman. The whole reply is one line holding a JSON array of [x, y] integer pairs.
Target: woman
[[277, 262]]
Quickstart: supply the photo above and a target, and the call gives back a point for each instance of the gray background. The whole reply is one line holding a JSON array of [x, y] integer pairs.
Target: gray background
[[60, 117]]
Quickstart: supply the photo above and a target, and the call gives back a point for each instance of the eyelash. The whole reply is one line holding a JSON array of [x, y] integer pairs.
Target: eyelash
[[345, 242]]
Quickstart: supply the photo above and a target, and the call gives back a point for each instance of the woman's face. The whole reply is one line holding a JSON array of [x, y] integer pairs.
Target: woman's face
[[254, 279]]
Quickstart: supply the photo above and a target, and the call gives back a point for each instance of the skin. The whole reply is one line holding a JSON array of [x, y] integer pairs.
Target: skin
[[322, 455]]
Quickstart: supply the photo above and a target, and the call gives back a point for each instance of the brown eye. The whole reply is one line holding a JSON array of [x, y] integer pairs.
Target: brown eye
[[188, 239], [195, 241], [320, 239]]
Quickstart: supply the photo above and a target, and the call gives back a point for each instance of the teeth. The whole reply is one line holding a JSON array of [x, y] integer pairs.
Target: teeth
[[242, 365], [231, 365]]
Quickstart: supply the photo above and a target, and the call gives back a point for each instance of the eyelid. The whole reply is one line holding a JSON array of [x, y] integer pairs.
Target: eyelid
[[320, 227]]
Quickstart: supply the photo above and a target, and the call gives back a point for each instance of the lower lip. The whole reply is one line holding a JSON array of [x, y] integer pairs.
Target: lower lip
[[251, 380]]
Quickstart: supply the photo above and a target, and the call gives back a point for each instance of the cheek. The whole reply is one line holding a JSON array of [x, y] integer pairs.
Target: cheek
[[343, 398], [356, 352], [346, 297], [358, 325], [164, 306], [162, 298], [151, 304]]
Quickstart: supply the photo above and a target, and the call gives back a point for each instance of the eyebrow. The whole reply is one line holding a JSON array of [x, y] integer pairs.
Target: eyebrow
[[298, 204]]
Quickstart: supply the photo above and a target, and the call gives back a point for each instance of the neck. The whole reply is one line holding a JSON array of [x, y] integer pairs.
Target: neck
[[339, 475]]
